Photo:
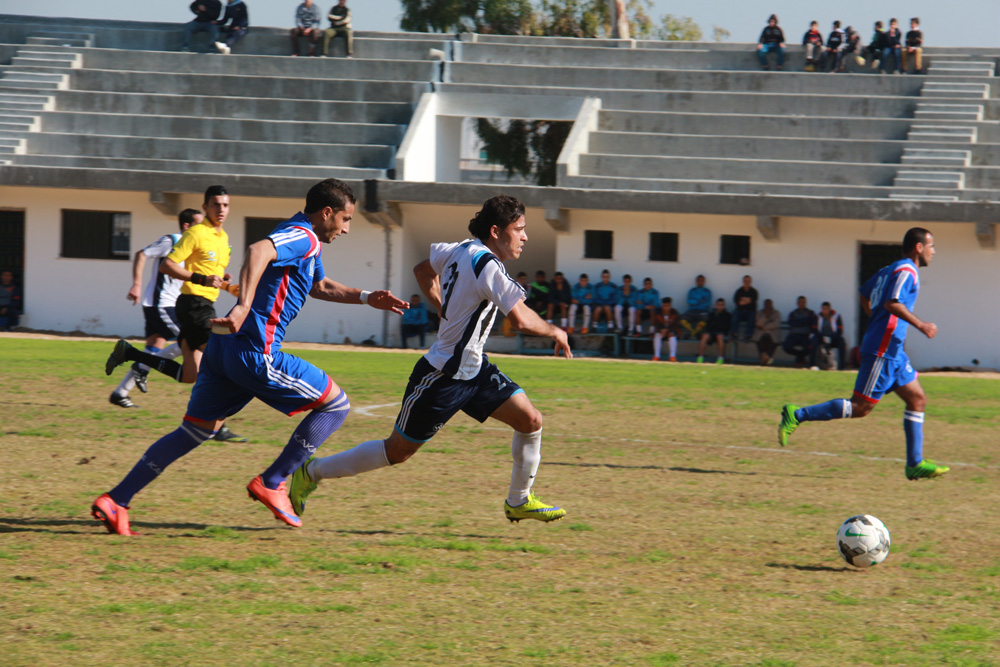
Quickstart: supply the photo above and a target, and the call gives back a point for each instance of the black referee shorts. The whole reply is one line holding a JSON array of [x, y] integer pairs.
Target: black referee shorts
[[194, 313]]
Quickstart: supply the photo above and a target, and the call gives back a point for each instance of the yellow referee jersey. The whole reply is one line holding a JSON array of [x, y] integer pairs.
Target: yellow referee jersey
[[203, 249]]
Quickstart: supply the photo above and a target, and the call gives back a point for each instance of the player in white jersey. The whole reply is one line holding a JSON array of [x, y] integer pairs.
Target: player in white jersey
[[467, 283], [158, 301]]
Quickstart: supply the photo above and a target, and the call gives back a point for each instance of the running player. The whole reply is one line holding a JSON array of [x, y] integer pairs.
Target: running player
[[158, 301], [467, 283], [204, 250], [888, 297], [277, 274]]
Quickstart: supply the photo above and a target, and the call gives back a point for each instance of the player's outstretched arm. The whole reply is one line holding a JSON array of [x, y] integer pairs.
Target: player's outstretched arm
[[331, 290], [258, 256], [526, 320], [896, 308], [429, 283]]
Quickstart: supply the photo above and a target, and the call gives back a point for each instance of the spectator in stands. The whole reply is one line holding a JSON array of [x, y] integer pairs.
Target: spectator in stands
[[768, 333], [628, 295], [560, 296], [699, 301], [813, 43], [522, 280], [893, 46], [914, 47], [10, 301], [852, 49], [745, 312], [206, 19], [876, 46], [771, 39], [538, 295], [233, 27], [829, 335], [666, 324], [340, 26], [801, 326], [307, 24], [605, 299], [647, 305], [583, 299], [414, 320], [835, 44], [720, 321]]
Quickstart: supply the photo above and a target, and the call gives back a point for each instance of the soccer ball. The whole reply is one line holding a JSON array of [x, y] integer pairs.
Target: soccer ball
[[863, 541]]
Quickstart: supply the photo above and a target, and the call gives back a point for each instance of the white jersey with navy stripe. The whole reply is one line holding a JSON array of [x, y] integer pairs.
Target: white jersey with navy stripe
[[474, 284], [161, 290]]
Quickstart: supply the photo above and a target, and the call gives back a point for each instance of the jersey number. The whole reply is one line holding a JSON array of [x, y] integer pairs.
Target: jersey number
[[448, 287], [876, 295]]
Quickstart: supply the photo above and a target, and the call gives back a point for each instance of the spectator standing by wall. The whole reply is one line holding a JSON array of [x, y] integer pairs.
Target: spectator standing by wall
[[829, 333], [914, 48], [10, 301], [666, 324], [720, 321], [813, 43], [768, 333], [583, 299], [206, 20], [801, 326], [699, 302], [340, 26], [307, 24], [745, 312], [772, 39], [414, 320], [560, 296], [605, 299], [234, 26]]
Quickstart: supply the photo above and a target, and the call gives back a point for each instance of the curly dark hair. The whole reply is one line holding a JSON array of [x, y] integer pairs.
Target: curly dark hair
[[498, 211]]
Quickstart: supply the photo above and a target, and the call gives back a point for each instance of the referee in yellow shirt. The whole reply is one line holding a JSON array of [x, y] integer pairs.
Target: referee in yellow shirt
[[199, 259]]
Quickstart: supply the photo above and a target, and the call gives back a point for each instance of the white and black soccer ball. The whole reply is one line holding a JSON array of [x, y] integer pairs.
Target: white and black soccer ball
[[863, 541]]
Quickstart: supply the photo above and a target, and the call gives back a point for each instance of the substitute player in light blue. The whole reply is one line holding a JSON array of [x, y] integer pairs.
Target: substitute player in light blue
[[467, 283], [888, 297], [583, 298], [277, 274]]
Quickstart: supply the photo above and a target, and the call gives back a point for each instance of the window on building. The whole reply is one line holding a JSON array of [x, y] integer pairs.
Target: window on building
[[96, 234], [734, 249], [258, 228], [598, 244], [663, 246]]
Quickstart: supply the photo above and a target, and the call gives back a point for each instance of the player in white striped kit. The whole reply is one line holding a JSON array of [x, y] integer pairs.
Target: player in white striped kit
[[467, 283]]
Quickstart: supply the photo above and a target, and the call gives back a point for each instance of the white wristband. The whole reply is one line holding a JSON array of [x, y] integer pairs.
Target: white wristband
[[364, 296]]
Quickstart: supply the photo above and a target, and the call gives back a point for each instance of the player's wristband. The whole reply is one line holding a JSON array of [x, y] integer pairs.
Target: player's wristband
[[198, 278], [364, 296]]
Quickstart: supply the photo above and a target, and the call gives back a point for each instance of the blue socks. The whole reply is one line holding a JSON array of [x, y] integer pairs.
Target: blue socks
[[306, 438], [160, 454], [838, 408], [913, 426]]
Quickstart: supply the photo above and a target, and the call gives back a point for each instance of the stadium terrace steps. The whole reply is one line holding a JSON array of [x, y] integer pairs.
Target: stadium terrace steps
[[927, 111]]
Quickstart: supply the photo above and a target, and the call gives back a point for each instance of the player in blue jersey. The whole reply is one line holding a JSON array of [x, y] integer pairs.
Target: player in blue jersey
[[277, 275], [647, 305], [628, 295], [583, 298], [888, 297], [605, 299], [467, 283]]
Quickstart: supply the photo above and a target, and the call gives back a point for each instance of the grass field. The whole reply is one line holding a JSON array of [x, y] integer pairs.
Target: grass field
[[691, 539]]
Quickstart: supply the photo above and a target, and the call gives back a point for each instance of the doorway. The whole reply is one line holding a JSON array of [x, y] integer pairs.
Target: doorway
[[872, 257]]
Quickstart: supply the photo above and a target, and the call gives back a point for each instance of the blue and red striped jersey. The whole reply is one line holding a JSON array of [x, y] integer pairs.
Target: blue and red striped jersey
[[886, 333]]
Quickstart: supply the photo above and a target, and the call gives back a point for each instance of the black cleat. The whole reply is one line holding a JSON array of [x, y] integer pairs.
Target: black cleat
[[225, 435], [117, 356], [121, 401]]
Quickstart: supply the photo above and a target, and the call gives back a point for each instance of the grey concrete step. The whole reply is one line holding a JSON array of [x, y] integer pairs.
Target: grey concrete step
[[12, 83], [930, 179], [212, 150], [936, 156], [230, 129], [956, 133], [61, 38], [935, 111], [35, 63], [50, 54], [12, 75], [936, 89], [902, 196], [962, 67], [13, 102]]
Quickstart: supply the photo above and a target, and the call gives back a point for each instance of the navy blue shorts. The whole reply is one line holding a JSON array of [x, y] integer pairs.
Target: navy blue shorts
[[878, 376], [161, 322], [432, 398], [232, 374]]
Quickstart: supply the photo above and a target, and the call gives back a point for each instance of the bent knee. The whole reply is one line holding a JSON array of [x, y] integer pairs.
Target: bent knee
[[530, 421]]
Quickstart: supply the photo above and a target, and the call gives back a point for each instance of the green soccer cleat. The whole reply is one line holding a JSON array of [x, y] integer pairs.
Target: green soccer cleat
[[925, 468], [788, 423], [302, 485], [533, 508]]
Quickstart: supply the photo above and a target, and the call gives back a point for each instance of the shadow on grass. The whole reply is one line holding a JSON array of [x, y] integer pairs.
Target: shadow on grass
[[698, 471], [809, 568], [10, 525]]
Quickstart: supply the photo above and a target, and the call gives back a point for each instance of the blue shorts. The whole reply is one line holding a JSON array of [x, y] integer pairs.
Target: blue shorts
[[880, 375], [432, 398], [161, 322], [232, 374]]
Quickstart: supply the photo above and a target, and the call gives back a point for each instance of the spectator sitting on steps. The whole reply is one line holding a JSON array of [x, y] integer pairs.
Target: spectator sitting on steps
[[340, 26], [914, 47], [560, 296], [876, 46], [719, 323], [10, 301], [835, 44], [583, 298], [628, 295], [233, 27], [605, 299], [666, 324], [699, 301], [538, 294], [893, 46], [813, 43], [205, 20], [307, 23], [772, 39], [801, 325], [647, 306]]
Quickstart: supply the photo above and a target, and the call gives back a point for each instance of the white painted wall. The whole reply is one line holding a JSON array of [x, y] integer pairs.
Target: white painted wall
[[814, 257]]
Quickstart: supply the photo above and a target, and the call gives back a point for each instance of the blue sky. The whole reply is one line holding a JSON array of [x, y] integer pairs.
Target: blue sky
[[965, 23]]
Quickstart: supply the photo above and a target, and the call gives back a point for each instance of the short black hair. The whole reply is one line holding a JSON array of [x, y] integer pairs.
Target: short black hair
[[773, 17], [647, 278], [915, 20], [499, 211], [667, 299], [627, 277], [558, 274], [836, 24], [186, 217], [332, 192], [522, 274], [914, 236], [878, 24], [825, 303], [584, 275], [215, 191]]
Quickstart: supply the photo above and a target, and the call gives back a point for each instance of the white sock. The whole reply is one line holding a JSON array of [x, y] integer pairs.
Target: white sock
[[672, 345], [657, 343], [572, 313], [563, 321], [526, 450], [127, 384], [618, 316], [365, 457], [586, 317], [171, 351]]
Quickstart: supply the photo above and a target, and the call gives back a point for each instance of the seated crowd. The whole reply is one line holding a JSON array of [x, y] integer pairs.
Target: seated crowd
[[886, 48]]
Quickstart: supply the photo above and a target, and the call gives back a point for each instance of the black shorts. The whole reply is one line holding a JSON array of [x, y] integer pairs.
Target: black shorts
[[161, 322], [193, 313], [432, 398]]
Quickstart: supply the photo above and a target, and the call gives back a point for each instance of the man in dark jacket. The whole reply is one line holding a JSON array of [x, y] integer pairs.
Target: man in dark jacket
[[772, 38], [813, 43], [234, 26], [206, 20], [893, 44], [801, 326], [829, 335]]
